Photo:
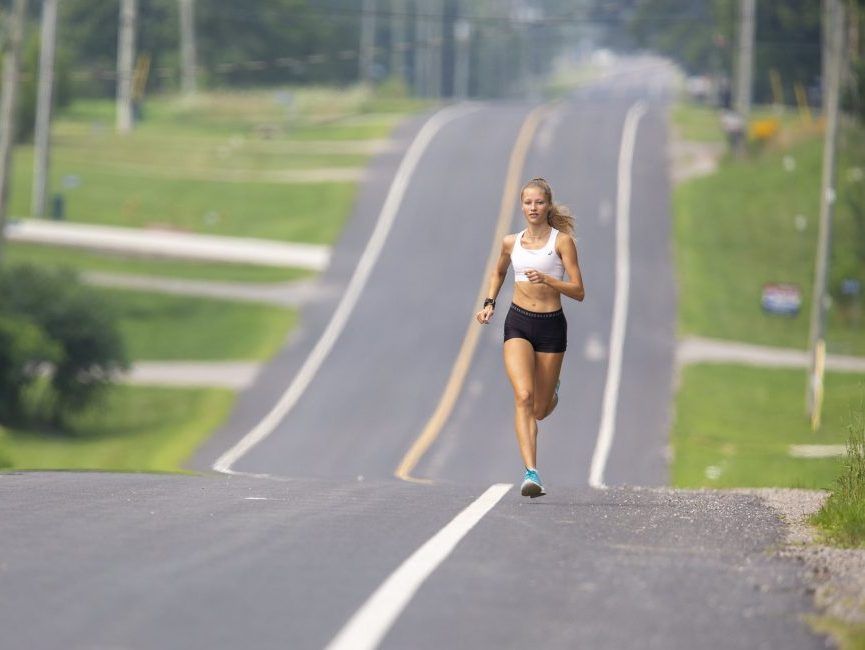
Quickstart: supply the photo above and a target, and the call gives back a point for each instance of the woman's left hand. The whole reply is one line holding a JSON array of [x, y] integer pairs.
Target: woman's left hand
[[536, 277]]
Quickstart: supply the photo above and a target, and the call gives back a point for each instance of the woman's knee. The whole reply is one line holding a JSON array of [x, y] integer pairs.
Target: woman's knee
[[524, 398]]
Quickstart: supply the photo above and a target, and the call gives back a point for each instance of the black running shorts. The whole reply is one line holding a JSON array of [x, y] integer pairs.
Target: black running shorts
[[546, 331]]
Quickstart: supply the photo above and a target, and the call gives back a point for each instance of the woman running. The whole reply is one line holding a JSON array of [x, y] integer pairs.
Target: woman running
[[536, 331]]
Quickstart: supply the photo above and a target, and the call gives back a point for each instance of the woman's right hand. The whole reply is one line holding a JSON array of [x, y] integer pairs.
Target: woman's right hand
[[485, 315]]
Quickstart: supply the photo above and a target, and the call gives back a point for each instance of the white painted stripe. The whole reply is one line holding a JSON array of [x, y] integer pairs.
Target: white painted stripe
[[352, 293], [372, 621], [620, 306]]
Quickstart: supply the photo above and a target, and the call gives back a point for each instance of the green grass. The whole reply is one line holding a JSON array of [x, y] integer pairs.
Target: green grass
[[164, 327], [736, 230], [741, 420], [309, 212], [216, 164], [51, 256], [134, 429], [357, 112], [842, 517], [848, 636], [697, 122]]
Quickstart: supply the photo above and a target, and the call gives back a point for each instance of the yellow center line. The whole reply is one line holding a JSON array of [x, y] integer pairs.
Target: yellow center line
[[473, 331]]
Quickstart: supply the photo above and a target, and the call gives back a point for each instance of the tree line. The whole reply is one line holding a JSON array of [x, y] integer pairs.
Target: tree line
[[701, 37]]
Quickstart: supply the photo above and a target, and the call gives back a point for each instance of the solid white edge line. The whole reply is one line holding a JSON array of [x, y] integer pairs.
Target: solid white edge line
[[352, 293], [607, 425], [371, 622]]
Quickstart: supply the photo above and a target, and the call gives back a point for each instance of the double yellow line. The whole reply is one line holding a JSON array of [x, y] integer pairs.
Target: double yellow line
[[473, 331]]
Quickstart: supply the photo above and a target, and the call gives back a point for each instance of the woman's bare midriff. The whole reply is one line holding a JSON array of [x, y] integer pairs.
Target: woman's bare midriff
[[536, 297]]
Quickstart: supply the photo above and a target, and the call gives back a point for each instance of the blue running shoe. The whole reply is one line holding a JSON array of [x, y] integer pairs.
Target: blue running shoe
[[532, 486]]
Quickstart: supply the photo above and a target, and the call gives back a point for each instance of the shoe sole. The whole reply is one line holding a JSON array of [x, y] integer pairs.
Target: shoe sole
[[531, 489]]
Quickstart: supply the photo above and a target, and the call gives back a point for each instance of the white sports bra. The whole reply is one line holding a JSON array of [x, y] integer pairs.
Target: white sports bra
[[544, 260]]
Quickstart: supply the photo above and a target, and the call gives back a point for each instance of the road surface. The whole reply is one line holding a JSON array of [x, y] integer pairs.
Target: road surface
[[305, 538]]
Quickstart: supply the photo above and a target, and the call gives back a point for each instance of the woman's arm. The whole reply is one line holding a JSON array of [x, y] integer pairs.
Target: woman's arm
[[567, 250], [497, 279]]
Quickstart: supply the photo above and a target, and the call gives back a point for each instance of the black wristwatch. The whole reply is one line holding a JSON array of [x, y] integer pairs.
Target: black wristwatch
[[490, 301]]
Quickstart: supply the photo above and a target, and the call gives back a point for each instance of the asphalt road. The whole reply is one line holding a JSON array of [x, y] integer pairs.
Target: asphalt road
[[287, 560]]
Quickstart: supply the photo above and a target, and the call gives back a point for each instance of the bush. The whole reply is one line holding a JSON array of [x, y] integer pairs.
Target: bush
[[69, 325], [24, 349]]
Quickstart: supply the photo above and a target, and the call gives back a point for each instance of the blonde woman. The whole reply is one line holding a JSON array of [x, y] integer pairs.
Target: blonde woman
[[536, 332]]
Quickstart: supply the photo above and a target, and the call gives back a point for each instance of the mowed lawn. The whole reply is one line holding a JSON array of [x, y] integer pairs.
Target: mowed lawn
[[734, 426], [752, 222], [134, 428], [755, 221], [158, 326], [216, 164], [120, 264]]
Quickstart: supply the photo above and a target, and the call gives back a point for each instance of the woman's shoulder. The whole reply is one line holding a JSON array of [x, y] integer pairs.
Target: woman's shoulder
[[508, 242], [565, 239]]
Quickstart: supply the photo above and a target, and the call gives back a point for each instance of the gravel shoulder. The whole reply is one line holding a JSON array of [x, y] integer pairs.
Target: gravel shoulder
[[836, 575]]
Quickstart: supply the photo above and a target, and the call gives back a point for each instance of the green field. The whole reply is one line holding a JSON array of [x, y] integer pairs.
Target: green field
[[133, 429], [217, 164], [755, 221], [79, 260], [741, 421], [737, 229], [167, 327]]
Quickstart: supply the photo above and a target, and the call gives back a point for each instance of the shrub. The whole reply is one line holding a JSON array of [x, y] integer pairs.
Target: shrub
[[24, 349], [82, 338]]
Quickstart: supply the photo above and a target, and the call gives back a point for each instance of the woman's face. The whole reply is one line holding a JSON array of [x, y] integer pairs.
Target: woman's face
[[535, 206]]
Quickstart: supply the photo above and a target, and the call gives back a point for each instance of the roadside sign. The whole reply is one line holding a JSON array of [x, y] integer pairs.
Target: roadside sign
[[781, 299]]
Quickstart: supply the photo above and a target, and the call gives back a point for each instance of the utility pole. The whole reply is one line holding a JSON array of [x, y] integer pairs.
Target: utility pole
[[436, 47], [421, 50], [187, 47], [11, 66], [745, 60], [398, 31], [125, 62], [42, 132], [834, 16], [462, 37], [367, 41]]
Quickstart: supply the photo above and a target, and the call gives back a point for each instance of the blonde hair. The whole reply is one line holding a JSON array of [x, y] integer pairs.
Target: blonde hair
[[559, 216]]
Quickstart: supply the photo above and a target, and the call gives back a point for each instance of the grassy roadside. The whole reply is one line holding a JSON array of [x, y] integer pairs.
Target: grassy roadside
[[733, 231], [213, 165], [842, 517], [166, 327], [755, 221], [133, 429], [78, 260], [734, 426]]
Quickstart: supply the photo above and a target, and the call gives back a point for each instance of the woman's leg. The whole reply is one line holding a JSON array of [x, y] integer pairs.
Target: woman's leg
[[548, 365], [520, 366]]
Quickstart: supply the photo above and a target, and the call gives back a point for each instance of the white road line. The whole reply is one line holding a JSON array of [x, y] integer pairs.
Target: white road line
[[620, 306], [352, 293], [372, 621]]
